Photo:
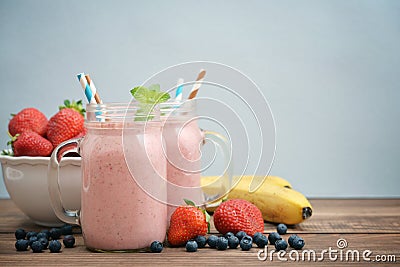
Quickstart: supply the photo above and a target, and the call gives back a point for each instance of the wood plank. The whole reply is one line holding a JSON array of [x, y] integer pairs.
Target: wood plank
[[329, 216], [365, 224], [379, 244]]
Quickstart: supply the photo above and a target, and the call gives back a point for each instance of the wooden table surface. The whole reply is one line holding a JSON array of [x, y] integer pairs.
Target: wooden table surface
[[364, 224]]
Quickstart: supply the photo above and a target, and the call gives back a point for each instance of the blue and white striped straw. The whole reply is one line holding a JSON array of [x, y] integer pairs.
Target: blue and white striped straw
[[179, 90], [88, 91]]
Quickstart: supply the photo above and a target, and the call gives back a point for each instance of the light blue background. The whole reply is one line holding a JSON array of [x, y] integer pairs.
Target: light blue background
[[329, 69]]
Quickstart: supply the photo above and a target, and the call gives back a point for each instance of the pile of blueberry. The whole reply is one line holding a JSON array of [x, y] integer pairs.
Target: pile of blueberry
[[240, 239], [44, 239], [275, 239]]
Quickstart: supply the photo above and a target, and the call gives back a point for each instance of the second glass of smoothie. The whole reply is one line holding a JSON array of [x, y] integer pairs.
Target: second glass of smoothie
[[183, 142]]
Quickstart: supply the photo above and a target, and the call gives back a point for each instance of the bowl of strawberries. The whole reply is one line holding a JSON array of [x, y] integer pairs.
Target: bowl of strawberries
[[25, 165]]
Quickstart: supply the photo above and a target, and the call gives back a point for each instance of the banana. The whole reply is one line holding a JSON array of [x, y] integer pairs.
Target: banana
[[275, 198], [211, 186]]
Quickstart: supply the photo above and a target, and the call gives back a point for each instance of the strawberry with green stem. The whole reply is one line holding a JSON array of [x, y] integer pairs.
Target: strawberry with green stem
[[30, 144], [187, 222], [66, 123], [28, 120], [236, 215]]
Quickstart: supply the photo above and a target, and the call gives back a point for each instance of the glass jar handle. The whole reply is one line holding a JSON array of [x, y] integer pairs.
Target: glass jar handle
[[68, 216], [226, 149]]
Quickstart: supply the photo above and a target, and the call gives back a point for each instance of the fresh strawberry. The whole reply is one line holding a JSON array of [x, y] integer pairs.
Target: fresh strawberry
[[186, 223], [66, 124], [81, 134], [28, 120], [238, 215], [31, 144]]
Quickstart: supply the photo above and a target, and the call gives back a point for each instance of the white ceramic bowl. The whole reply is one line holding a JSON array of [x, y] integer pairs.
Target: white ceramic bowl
[[26, 182]]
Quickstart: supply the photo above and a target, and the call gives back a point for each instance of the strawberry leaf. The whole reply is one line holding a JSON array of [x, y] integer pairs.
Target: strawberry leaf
[[189, 202], [208, 218], [78, 106], [7, 153]]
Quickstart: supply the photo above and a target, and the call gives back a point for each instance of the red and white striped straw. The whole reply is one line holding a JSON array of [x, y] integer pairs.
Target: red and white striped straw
[[197, 84]]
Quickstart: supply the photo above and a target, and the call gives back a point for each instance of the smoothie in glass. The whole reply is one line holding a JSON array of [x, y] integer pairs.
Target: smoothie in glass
[[183, 142], [119, 159], [116, 213]]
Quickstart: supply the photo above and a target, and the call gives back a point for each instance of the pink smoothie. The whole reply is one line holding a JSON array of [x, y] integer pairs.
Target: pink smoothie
[[183, 144], [116, 213]]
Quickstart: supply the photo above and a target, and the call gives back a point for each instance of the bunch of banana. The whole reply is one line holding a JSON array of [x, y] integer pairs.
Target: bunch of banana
[[275, 198]]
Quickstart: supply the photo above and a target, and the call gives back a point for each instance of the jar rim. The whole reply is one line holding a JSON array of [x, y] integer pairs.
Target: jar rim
[[121, 111]]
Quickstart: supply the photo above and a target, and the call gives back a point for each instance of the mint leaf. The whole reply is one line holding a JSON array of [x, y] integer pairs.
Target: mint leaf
[[148, 98], [162, 97], [151, 95], [154, 87], [144, 112], [140, 94]]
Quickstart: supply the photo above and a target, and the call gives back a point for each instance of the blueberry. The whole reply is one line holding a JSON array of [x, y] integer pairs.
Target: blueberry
[[291, 238], [281, 228], [30, 234], [229, 234], [298, 243], [37, 247], [156, 247], [201, 241], [191, 246], [222, 243], [69, 241], [42, 235], [32, 239], [233, 242], [20, 234], [55, 233], [21, 244], [249, 238], [256, 236], [240, 235], [246, 243], [280, 244], [54, 246], [212, 241], [47, 232], [261, 241], [66, 229], [272, 237], [44, 242]]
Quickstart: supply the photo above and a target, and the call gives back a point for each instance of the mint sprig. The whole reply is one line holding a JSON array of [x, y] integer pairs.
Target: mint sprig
[[148, 98], [151, 95]]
